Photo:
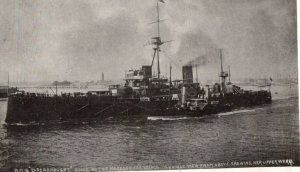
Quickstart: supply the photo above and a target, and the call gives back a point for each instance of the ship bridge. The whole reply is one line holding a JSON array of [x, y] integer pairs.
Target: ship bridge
[[134, 75], [139, 77]]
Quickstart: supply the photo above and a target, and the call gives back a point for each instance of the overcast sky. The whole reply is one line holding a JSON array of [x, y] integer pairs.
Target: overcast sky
[[78, 39]]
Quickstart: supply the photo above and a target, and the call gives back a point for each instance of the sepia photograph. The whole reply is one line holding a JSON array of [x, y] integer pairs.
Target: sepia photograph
[[142, 85]]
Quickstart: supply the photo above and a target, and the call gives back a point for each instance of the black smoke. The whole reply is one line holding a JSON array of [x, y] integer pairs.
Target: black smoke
[[199, 61]]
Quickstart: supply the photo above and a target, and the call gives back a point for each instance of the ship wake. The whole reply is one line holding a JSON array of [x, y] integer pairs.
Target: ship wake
[[237, 112], [176, 118], [168, 118]]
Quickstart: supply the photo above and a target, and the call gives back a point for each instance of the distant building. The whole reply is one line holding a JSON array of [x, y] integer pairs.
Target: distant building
[[63, 83], [102, 76]]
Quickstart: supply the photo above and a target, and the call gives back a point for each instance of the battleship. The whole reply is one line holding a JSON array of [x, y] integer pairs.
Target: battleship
[[143, 95]]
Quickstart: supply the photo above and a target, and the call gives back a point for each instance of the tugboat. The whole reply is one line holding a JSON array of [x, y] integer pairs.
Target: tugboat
[[143, 95]]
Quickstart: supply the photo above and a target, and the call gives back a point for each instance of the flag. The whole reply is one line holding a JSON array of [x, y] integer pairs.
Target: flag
[[161, 1]]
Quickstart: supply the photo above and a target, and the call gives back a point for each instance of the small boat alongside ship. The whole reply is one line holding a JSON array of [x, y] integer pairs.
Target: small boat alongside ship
[[142, 96]]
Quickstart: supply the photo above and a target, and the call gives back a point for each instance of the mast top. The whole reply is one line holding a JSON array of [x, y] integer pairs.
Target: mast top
[[221, 58], [223, 74]]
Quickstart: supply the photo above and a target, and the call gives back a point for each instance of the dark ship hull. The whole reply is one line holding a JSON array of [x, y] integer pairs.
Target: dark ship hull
[[57, 109], [26, 109]]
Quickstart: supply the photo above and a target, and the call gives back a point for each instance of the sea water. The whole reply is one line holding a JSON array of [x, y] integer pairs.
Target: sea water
[[244, 137]]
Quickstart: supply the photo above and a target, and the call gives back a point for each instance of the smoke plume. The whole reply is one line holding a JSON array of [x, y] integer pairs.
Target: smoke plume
[[199, 61]]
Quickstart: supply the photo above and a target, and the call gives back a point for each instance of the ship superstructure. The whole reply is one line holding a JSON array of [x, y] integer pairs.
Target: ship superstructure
[[144, 81]]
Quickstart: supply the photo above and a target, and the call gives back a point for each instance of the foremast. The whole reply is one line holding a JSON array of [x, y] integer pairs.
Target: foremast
[[157, 40]]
